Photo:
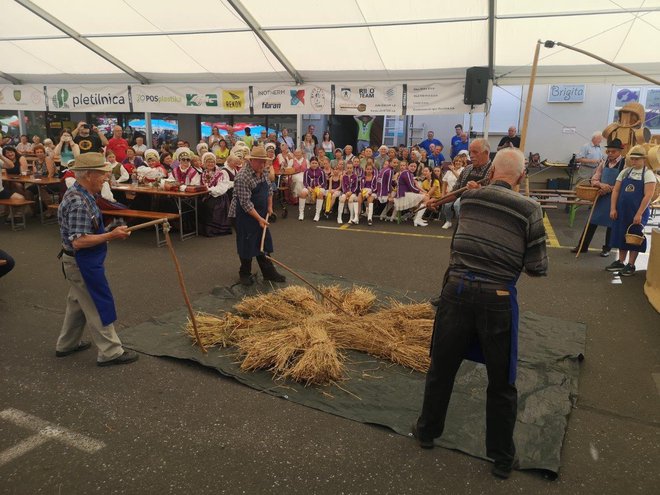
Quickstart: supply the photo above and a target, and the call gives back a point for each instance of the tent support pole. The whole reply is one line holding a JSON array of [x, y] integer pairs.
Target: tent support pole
[[147, 130], [21, 122]]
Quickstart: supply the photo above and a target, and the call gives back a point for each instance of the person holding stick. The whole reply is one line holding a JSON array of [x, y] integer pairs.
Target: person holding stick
[[500, 233], [84, 248], [604, 179], [250, 206]]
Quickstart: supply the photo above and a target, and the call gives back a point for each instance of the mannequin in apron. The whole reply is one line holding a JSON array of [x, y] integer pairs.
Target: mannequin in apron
[[477, 318], [84, 248], [630, 209], [604, 178], [252, 201]]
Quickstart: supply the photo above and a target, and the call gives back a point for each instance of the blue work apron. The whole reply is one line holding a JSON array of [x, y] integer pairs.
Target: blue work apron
[[630, 198], [474, 352], [248, 230], [90, 263], [601, 214]]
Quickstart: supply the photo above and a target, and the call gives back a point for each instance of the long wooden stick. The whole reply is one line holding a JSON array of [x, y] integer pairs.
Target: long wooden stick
[[147, 224], [584, 232], [325, 296], [263, 234], [452, 196], [612, 64], [166, 229]]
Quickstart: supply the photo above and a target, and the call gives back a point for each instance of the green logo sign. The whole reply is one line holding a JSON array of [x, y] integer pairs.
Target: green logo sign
[[61, 98], [17, 94]]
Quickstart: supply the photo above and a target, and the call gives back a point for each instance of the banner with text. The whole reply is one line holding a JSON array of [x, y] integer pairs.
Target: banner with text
[[22, 98], [190, 99], [68, 98], [289, 99], [436, 98], [368, 99]]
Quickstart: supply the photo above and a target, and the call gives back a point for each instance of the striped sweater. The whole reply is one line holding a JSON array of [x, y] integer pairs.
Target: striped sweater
[[500, 233]]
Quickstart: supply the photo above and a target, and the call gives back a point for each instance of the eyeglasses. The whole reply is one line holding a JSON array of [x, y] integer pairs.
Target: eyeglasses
[[184, 159]]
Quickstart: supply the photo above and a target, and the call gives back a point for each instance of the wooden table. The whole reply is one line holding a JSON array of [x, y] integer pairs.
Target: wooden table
[[189, 200], [39, 181]]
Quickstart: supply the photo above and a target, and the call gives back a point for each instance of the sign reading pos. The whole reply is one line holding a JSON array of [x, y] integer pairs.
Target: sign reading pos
[[566, 93]]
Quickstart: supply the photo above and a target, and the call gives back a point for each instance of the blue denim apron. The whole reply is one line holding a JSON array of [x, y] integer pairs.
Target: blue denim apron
[[248, 230], [90, 263], [630, 197], [601, 214]]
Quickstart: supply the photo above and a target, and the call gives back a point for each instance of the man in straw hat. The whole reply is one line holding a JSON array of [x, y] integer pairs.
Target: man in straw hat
[[252, 201], [604, 179], [84, 247], [500, 233], [630, 210]]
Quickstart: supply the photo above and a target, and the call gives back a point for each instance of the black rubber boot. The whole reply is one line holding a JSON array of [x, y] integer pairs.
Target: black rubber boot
[[268, 270], [245, 272]]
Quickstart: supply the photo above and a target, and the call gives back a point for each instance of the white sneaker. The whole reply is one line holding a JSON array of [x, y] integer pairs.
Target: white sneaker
[[446, 225]]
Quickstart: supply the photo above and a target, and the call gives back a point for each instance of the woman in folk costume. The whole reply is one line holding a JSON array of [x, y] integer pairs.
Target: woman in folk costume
[[201, 148], [185, 174], [314, 184], [384, 188], [368, 191], [153, 170], [629, 209], [350, 186], [215, 206], [334, 187], [409, 194]]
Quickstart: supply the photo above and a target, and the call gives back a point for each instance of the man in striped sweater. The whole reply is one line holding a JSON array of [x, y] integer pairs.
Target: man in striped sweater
[[500, 233]]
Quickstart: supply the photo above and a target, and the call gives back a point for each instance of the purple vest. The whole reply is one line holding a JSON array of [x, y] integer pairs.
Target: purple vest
[[349, 183], [369, 184], [406, 184], [384, 182], [314, 178]]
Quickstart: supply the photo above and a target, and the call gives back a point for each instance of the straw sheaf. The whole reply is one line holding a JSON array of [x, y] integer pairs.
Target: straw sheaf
[[294, 335]]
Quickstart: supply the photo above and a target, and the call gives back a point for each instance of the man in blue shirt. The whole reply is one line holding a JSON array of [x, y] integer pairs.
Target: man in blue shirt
[[455, 139], [426, 144], [459, 145]]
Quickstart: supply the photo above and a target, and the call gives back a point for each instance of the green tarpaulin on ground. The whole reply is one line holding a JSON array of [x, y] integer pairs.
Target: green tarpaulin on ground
[[379, 392]]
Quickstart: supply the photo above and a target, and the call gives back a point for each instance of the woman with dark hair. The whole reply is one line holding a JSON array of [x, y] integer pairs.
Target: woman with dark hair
[[166, 162], [328, 145], [66, 149], [6, 263], [14, 162], [221, 151]]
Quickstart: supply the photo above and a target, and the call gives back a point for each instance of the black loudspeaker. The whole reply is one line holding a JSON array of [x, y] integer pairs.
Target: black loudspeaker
[[476, 86]]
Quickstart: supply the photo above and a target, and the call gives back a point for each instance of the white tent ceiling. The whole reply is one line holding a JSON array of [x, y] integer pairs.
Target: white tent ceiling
[[160, 41]]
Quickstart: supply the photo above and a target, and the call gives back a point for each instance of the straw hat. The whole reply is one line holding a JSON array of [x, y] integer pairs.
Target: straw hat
[[637, 151], [91, 161], [258, 152]]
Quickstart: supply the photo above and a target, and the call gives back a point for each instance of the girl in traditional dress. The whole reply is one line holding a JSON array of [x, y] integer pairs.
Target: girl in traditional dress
[[629, 209], [314, 184], [334, 187], [296, 171], [409, 195], [350, 186], [368, 191], [384, 187]]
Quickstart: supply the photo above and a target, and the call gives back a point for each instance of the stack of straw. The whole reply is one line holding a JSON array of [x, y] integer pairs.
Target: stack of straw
[[293, 335]]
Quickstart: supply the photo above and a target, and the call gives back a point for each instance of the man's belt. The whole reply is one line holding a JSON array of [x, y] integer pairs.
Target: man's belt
[[477, 283]]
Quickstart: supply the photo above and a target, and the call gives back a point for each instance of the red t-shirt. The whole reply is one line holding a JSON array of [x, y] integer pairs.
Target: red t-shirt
[[118, 147]]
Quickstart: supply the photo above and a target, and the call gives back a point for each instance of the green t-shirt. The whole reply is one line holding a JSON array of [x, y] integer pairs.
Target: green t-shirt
[[364, 130]]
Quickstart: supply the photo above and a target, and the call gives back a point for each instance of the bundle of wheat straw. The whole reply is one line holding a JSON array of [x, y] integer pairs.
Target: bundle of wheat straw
[[294, 335]]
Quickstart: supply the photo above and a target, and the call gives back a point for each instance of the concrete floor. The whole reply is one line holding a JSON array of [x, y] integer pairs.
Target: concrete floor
[[174, 427]]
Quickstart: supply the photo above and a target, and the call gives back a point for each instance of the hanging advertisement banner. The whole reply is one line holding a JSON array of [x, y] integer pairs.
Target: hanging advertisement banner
[[368, 99], [69, 98], [436, 98], [290, 99], [22, 97], [190, 99]]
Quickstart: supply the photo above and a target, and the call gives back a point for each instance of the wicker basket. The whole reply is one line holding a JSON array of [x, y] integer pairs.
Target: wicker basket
[[633, 239], [585, 191]]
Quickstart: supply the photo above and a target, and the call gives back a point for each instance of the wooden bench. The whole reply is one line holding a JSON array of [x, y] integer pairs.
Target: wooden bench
[[20, 204], [138, 215]]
